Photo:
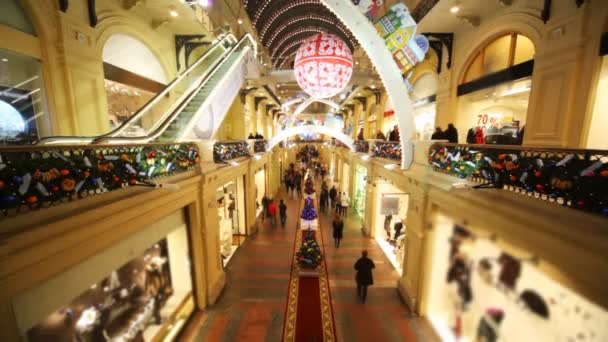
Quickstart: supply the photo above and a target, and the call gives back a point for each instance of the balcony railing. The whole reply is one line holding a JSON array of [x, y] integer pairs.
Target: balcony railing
[[573, 178], [228, 150], [361, 146], [387, 149], [39, 177]]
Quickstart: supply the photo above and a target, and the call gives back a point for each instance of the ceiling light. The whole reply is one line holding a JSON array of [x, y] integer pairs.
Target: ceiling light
[[4, 60], [455, 9], [373, 86], [204, 3], [240, 21], [173, 12], [343, 96]]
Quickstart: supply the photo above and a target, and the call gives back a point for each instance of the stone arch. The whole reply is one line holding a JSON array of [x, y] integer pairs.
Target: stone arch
[[389, 73], [290, 132], [111, 26]]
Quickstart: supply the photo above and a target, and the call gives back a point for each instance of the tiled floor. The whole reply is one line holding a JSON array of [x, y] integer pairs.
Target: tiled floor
[[251, 307]]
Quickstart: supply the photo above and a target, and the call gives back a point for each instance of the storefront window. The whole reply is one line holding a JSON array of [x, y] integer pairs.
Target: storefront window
[[360, 190], [231, 211], [260, 190], [141, 300], [390, 227], [596, 138], [480, 292], [23, 112], [494, 115]]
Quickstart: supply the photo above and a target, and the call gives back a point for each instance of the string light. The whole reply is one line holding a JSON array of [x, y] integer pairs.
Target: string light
[[288, 36], [310, 17]]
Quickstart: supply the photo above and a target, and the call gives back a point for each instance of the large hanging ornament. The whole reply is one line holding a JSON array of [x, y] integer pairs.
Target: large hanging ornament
[[323, 65]]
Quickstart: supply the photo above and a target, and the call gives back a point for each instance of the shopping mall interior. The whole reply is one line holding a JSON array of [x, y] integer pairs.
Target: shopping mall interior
[[304, 170]]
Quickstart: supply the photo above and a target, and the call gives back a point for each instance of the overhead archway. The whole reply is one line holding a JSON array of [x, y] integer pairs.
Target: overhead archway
[[381, 58], [297, 130]]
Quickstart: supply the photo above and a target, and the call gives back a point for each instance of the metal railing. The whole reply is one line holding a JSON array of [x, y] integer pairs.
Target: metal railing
[[38, 177], [569, 177]]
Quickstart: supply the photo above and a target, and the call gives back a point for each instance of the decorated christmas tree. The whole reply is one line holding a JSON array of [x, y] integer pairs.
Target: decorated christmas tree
[[309, 255], [309, 186], [308, 212]]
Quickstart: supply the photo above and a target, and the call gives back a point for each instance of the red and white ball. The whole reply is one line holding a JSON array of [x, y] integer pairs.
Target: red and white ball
[[323, 65]]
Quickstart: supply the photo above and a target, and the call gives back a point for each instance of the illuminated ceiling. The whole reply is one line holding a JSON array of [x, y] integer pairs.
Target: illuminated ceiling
[[282, 25]]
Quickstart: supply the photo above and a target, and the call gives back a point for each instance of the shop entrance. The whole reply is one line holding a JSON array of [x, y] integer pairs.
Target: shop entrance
[[260, 190], [360, 190], [345, 179], [231, 211], [390, 227]]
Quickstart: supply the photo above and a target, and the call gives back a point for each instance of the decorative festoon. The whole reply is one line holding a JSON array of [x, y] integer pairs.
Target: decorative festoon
[[323, 65]]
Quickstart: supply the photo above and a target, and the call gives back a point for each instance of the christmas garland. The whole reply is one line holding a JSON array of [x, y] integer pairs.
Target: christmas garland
[[573, 179], [387, 149], [43, 177], [260, 146], [361, 146], [223, 151]]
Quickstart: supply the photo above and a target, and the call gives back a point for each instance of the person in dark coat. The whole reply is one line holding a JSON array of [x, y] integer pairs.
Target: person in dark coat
[[451, 134], [394, 135], [332, 195], [338, 226], [251, 136], [438, 134], [265, 203], [360, 135], [364, 276], [283, 213], [323, 199], [380, 135]]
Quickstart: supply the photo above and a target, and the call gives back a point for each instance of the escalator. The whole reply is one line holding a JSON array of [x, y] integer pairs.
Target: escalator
[[174, 111]]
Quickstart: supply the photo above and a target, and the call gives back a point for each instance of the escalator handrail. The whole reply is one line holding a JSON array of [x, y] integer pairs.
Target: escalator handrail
[[88, 139], [163, 126]]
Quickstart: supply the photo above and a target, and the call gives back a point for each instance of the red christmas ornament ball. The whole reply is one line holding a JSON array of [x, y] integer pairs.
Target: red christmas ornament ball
[[538, 174], [116, 178], [323, 65], [133, 181], [540, 187], [31, 199], [1, 184]]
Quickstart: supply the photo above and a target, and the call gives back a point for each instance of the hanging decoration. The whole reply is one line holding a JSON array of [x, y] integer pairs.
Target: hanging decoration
[[323, 65]]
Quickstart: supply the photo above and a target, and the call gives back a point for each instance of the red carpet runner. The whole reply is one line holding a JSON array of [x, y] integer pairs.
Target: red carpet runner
[[309, 314]]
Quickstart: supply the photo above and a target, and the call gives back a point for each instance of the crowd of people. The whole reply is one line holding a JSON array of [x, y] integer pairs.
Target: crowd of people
[[393, 135], [258, 135]]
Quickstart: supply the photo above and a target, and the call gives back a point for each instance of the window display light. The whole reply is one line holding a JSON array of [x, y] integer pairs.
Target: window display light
[[323, 65]]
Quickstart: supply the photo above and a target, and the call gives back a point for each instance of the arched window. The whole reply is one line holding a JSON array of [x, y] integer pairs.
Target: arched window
[[133, 75], [501, 53]]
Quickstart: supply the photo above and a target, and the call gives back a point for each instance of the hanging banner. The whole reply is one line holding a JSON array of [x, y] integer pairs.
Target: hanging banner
[[398, 29]]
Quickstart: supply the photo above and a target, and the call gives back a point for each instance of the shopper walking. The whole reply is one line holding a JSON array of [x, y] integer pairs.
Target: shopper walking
[[364, 276], [338, 207], [338, 229], [332, 195], [283, 213], [298, 183], [323, 198], [345, 202], [272, 212], [265, 203]]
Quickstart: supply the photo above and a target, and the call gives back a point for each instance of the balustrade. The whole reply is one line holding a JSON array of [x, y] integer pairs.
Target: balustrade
[[387, 149], [38, 177], [573, 178], [228, 150]]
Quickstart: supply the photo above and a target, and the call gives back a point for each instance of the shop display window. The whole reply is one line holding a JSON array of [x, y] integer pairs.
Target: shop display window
[[136, 302], [260, 190], [360, 190], [494, 115], [231, 211], [124, 101], [23, 112], [390, 230], [481, 292]]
